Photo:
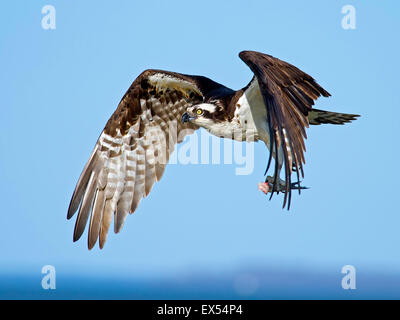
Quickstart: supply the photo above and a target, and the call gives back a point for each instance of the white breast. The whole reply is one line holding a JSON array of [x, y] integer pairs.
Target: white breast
[[251, 114]]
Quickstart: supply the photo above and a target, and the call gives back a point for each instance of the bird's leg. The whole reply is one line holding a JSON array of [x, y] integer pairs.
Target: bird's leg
[[268, 185], [281, 185]]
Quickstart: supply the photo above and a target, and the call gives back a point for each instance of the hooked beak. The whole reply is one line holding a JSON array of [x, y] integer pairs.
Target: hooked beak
[[186, 117]]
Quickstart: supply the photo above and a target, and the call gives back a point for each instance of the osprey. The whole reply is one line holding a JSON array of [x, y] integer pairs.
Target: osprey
[[160, 108]]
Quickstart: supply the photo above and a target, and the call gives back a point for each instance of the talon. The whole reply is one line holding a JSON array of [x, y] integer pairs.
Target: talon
[[264, 187], [281, 185], [296, 186]]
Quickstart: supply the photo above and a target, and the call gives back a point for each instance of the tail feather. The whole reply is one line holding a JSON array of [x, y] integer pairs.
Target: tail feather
[[317, 117]]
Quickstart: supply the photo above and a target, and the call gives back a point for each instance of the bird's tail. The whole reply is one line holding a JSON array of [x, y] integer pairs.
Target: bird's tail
[[317, 117]]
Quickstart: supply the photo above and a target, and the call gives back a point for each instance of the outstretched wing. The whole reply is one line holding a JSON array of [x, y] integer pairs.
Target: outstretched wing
[[288, 94], [133, 149]]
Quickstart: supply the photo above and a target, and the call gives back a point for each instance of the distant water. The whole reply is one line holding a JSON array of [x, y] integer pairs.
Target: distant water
[[243, 284]]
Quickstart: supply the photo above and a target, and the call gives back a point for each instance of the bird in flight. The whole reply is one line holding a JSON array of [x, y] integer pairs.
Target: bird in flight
[[160, 108]]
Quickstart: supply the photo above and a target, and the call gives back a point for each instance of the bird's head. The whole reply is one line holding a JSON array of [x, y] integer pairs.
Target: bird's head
[[204, 114]]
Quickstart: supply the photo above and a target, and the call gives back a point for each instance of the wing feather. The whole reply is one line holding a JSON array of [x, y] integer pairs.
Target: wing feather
[[96, 217], [82, 183], [85, 207]]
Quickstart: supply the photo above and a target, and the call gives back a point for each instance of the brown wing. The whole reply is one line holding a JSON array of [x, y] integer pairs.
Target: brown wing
[[133, 149], [288, 94]]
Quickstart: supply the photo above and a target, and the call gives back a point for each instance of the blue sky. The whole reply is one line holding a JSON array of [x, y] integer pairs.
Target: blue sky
[[59, 87]]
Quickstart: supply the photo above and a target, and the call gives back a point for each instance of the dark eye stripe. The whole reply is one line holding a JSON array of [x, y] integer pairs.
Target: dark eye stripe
[[206, 114]]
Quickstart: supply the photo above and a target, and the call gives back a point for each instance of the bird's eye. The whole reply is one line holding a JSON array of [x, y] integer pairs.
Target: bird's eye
[[199, 111]]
